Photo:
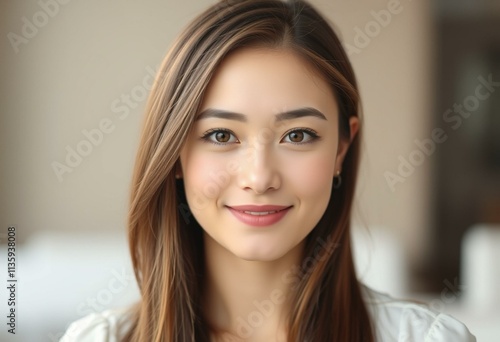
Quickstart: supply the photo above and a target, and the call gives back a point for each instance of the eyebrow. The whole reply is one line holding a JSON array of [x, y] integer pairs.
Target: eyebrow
[[289, 115]]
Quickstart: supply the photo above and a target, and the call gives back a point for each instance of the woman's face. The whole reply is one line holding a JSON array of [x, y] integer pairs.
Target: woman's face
[[244, 149]]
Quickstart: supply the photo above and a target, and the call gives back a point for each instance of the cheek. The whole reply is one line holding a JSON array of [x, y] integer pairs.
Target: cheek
[[313, 177], [205, 176]]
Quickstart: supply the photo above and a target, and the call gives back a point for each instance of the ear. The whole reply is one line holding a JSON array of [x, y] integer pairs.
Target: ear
[[344, 144]]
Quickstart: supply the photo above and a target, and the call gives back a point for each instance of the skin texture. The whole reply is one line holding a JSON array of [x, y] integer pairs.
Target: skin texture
[[259, 162]]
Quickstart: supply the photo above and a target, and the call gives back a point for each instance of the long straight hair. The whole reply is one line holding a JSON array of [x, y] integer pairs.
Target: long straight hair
[[166, 242]]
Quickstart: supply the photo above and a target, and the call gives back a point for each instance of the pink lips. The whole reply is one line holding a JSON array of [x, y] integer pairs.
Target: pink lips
[[261, 220]]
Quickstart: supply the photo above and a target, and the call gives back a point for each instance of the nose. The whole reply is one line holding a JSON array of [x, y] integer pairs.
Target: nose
[[259, 170]]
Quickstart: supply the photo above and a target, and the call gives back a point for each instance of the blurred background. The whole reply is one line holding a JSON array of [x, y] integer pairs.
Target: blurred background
[[74, 79]]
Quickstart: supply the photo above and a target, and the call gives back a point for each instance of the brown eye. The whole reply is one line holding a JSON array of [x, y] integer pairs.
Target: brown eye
[[219, 137], [222, 137], [301, 136], [296, 136]]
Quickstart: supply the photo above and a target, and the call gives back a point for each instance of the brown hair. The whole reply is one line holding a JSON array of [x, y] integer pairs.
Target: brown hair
[[166, 246]]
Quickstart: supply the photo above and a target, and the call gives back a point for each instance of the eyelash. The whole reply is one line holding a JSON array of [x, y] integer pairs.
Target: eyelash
[[206, 136], [210, 132], [314, 135]]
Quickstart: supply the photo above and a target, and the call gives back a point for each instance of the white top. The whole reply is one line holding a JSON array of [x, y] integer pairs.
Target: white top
[[395, 320]]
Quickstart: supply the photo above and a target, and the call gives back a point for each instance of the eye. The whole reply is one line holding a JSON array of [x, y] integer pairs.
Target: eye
[[219, 136], [301, 136]]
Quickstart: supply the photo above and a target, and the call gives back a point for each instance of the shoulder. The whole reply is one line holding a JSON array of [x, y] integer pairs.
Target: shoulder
[[107, 326], [405, 321]]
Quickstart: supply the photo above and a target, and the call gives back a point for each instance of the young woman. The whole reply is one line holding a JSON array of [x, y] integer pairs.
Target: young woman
[[242, 192]]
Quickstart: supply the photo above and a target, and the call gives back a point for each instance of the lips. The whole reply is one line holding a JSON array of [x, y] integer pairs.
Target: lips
[[259, 215]]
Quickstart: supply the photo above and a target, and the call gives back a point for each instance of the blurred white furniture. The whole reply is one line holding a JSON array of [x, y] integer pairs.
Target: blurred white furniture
[[481, 268], [379, 260], [481, 281], [475, 298], [380, 264], [62, 277]]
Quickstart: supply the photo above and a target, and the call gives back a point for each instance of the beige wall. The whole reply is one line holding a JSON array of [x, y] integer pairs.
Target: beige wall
[[394, 73], [81, 60]]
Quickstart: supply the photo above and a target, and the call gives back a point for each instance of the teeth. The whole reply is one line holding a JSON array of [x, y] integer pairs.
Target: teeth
[[259, 212]]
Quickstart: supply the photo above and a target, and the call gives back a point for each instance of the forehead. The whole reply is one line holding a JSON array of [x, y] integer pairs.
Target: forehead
[[267, 80]]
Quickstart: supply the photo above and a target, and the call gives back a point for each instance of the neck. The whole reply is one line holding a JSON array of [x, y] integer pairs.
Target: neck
[[248, 299]]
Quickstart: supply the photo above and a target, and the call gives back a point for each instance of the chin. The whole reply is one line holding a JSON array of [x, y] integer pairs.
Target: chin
[[259, 253], [258, 258]]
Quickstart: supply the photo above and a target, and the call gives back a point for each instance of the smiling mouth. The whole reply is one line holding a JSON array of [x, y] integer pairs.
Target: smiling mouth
[[260, 213], [259, 218]]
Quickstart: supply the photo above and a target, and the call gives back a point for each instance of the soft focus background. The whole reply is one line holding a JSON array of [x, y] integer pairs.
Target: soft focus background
[[74, 80]]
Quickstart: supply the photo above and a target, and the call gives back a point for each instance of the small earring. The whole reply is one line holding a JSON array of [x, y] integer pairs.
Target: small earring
[[337, 180], [178, 176]]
